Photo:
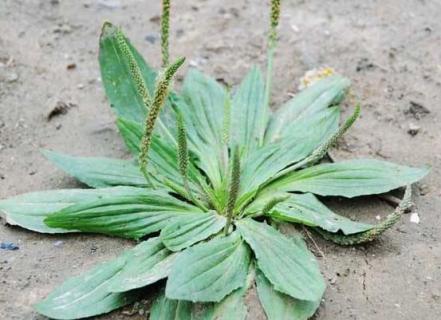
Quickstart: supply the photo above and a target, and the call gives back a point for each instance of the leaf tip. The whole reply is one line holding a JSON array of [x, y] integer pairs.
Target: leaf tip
[[107, 30]]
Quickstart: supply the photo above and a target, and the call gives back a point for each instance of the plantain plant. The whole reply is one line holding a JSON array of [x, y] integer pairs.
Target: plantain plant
[[213, 174]]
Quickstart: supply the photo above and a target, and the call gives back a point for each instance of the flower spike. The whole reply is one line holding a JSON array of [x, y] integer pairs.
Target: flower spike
[[135, 71], [165, 30], [161, 93], [234, 188]]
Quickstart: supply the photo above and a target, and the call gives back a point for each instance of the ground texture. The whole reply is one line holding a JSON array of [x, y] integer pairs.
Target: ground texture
[[390, 49]]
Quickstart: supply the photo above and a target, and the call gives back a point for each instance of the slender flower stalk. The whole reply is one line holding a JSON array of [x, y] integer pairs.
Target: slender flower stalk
[[161, 92], [165, 30], [234, 189], [272, 43]]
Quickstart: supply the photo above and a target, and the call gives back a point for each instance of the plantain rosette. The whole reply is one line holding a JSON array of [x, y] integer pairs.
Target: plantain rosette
[[205, 247]]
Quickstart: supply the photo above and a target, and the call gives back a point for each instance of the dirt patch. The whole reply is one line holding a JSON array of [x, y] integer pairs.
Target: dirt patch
[[390, 49]]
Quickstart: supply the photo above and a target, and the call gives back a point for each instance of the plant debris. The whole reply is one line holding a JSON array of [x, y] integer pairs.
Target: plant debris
[[60, 108], [416, 110]]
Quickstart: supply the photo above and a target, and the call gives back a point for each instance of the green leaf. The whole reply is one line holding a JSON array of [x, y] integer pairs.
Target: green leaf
[[231, 307], [115, 73], [263, 164], [190, 229], [99, 172], [148, 262], [276, 254], [167, 309], [307, 209], [87, 295], [247, 110], [130, 216], [131, 132], [30, 209], [279, 306], [212, 270], [202, 106], [324, 93], [350, 178]]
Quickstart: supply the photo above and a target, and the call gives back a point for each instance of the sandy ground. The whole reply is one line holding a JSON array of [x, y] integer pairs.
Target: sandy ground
[[390, 49]]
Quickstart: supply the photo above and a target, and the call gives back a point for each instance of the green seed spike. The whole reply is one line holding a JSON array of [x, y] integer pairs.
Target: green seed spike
[[165, 30], [227, 120], [161, 93], [183, 152], [375, 232], [275, 15], [234, 188], [135, 71], [273, 202]]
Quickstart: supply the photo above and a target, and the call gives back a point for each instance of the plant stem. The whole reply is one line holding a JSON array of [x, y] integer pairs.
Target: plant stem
[[165, 29], [234, 189], [272, 43]]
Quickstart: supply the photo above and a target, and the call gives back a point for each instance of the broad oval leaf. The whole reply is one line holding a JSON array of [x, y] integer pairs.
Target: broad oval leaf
[[203, 100], [324, 93], [129, 216], [87, 295], [191, 228], [307, 209], [350, 178], [30, 209], [167, 309], [98, 172], [276, 254], [247, 108], [279, 306], [212, 270], [263, 164], [233, 306], [115, 72], [148, 262]]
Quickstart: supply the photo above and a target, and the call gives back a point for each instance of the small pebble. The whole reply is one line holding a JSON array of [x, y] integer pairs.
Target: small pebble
[[71, 66], [413, 129], [58, 243], [151, 38], [11, 77], [415, 218], [8, 246]]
